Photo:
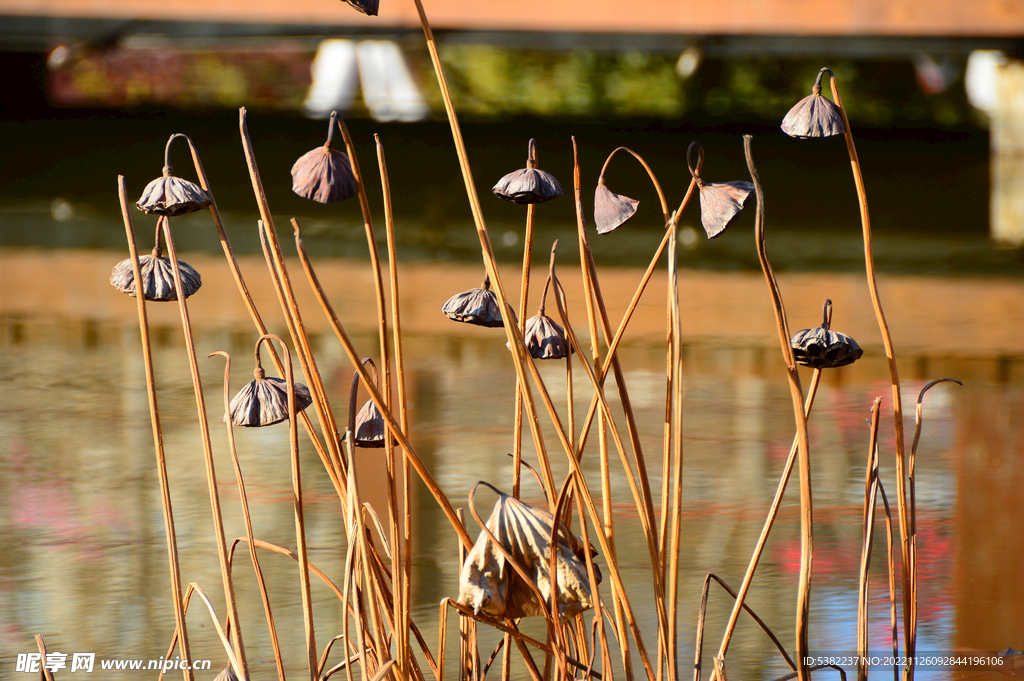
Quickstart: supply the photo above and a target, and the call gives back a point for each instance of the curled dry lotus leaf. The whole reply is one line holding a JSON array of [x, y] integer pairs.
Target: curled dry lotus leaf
[[611, 209], [488, 584], [813, 116], [170, 195], [720, 202], [822, 348], [157, 278], [264, 402], [367, 7], [370, 426], [528, 185], [475, 306], [324, 175], [544, 338]]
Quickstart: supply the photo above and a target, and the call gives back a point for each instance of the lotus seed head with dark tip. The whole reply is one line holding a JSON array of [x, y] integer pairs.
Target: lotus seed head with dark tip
[[157, 277], [814, 115], [529, 184], [170, 195], [611, 209], [264, 401]]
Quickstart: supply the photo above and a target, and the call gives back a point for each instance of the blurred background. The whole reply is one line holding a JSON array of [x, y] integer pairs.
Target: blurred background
[[935, 94]]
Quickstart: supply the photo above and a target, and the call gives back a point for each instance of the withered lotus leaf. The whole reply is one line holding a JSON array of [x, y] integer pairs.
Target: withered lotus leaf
[[720, 203], [367, 7], [813, 116], [822, 348], [489, 584], [264, 401], [544, 338], [370, 426], [157, 277], [528, 185], [611, 209], [476, 306], [324, 175], [170, 195]]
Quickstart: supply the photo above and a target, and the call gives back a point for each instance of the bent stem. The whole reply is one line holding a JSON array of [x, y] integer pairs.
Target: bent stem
[[246, 517], [867, 541], [909, 632], [204, 429], [804, 461], [158, 438]]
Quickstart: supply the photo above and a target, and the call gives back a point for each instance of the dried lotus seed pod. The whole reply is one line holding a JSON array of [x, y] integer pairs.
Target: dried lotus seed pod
[[476, 306], [529, 184], [823, 348], [169, 195], [157, 277], [264, 401]]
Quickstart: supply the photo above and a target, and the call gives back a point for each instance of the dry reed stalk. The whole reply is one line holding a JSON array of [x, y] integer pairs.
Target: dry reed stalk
[[307, 362], [897, 400], [773, 512], [204, 430], [891, 565], [702, 613], [524, 292], [389, 418], [243, 290], [404, 564], [232, 659], [675, 401], [44, 671], [398, 587], [867, 540], [158, 438], [918, 419], [247, 518], [804, 461]]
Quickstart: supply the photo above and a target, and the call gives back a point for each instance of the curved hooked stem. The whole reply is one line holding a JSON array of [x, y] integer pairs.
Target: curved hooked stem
[[330, 130], [650, 174], [695, 169], [816, 88], [167, 152], [354, 393]]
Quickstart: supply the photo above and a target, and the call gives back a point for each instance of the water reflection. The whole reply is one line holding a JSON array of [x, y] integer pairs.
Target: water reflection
[[84, 560]]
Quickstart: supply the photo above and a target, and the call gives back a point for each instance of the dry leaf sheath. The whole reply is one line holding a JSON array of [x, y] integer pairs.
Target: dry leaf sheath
[[324, 174], [264, 401], [489, 584], [720, 202], [814, 115], [476, 306], [823, 348], [611, 209], [529, 184]]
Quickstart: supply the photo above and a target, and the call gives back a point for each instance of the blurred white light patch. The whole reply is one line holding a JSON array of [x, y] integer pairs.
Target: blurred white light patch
[[981, 79], [389, 91], [335, 79], [689, 62], [61, 210]]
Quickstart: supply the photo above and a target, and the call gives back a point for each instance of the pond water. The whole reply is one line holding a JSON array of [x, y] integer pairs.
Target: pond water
[[84, 560]]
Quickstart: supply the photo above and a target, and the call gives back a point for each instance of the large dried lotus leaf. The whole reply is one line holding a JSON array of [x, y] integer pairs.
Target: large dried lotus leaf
[[324, 175], [528, 185], [813, 116], [264, 402], [367, 7], [721, 202], [611, 209], [370, 426], [544, 338], [488, 584], [157, 277], [475, 306], [822, 348], [170, 195]]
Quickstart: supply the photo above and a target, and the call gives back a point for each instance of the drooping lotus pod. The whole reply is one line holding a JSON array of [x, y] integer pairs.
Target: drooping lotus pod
[[476, 306], [814, 115], [823, 348], [170, 195], [157, 277], [544, 338], [325, 174], [611, 209], [369, 422], [720, 202], [489, 584], [264, 401], [367, 7], [529, 184]]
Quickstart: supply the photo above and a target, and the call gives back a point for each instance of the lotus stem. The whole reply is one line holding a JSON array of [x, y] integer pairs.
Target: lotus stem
[[204, 430], [158, 438], [867, 540], [804, 462], [524, 293]]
